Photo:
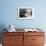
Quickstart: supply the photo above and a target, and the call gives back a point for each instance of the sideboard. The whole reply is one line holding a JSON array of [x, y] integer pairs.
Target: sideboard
[[23, 39]]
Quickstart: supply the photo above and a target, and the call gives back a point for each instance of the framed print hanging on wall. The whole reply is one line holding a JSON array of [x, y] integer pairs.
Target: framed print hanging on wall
[[25, 13]]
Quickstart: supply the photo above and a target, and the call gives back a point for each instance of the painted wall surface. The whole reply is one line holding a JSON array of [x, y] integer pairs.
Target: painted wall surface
[[8, 13]]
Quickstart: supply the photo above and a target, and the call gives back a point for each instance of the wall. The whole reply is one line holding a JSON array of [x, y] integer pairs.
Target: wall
[[8, 13]]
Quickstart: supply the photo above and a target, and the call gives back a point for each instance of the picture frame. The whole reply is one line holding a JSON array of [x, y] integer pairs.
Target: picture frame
[[25, 13]]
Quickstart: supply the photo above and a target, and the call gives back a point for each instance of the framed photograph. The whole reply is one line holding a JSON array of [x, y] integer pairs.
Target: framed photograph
[[25, 13]]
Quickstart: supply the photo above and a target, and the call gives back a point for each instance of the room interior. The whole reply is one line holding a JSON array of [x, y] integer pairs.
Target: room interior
[[9, 15]]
